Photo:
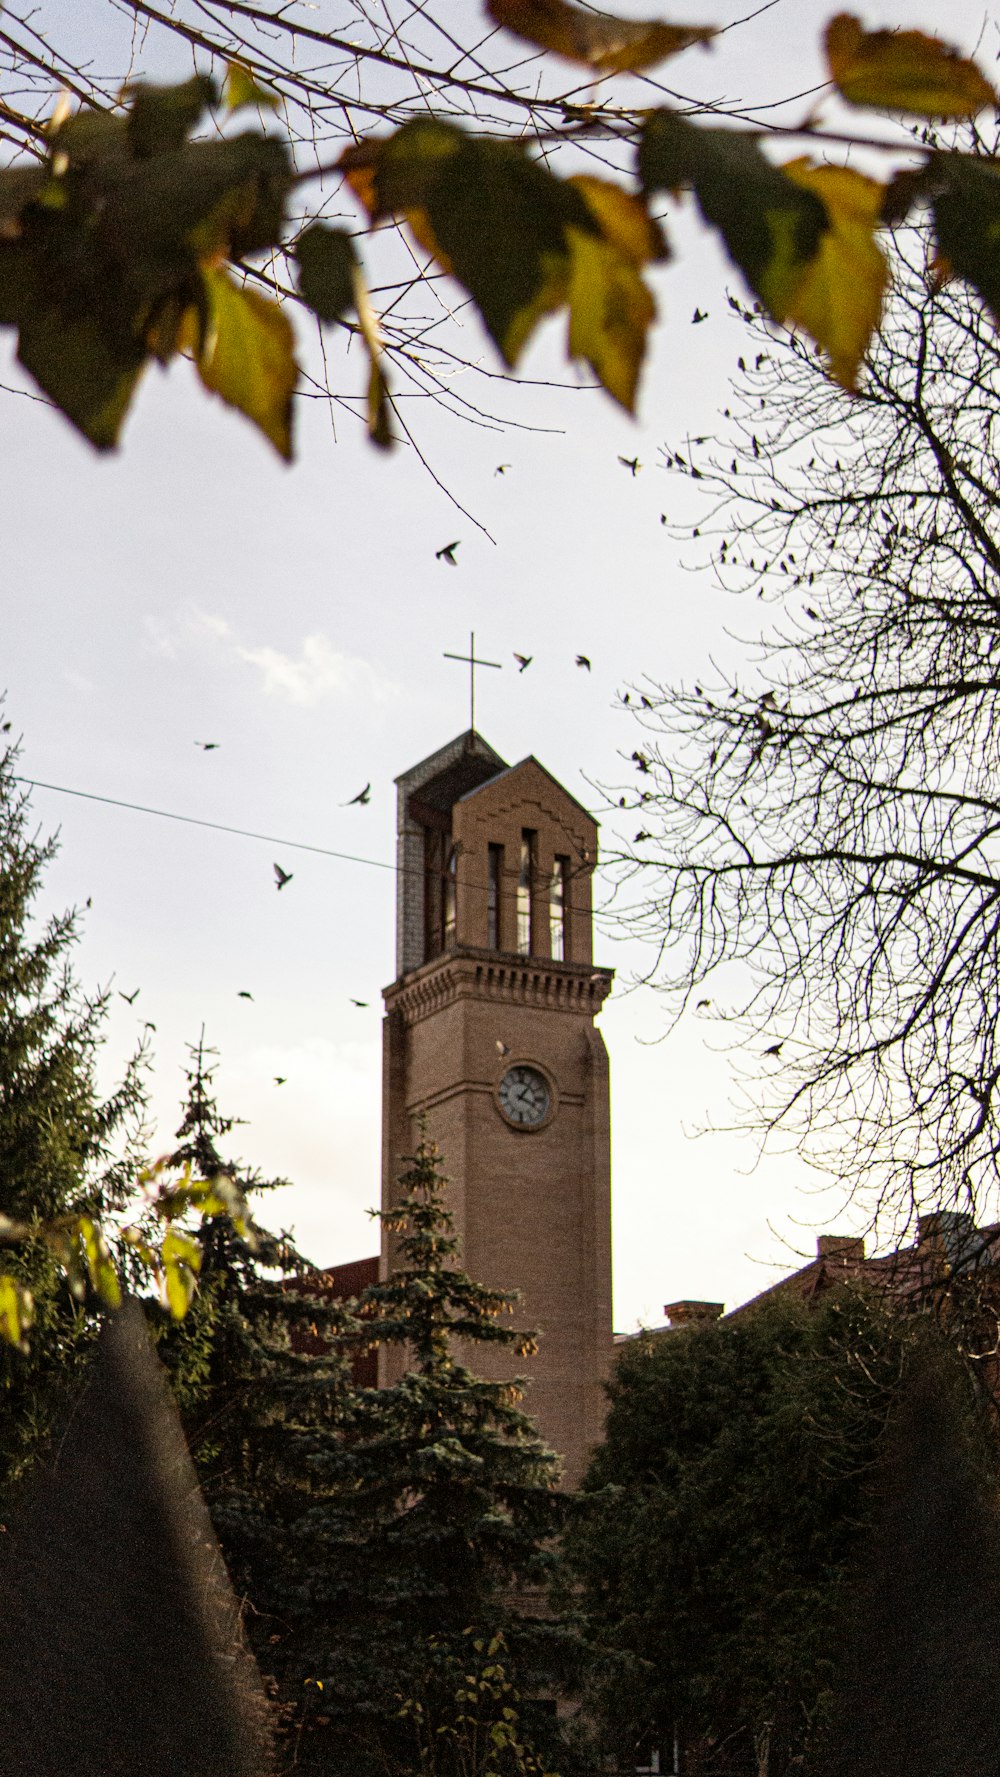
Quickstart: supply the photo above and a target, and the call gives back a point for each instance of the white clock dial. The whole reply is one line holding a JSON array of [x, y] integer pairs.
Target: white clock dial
[[524, 1097]]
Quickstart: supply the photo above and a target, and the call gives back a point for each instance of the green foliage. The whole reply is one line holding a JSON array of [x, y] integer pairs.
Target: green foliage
[[719, 1519], [67, 1155], [466, 1720], [436, 1518], [112, 251]]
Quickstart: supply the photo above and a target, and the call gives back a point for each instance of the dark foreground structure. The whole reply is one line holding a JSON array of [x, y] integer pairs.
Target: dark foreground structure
[[120, 1643]]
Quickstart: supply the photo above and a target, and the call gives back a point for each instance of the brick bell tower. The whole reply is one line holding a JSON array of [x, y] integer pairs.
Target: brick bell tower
[[489, 1029]]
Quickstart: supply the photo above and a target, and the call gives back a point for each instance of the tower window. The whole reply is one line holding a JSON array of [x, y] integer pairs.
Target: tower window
[[495, 867], [525, 887], [558, 890], [450, 897]]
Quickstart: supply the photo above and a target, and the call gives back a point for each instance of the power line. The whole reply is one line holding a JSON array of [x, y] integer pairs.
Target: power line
[[191, 820]]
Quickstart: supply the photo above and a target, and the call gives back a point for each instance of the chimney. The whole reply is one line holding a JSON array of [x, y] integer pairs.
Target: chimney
[[841, 1248], [692, 1314]]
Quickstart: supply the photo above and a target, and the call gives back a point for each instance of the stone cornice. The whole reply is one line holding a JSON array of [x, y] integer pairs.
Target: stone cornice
[[577, 988]]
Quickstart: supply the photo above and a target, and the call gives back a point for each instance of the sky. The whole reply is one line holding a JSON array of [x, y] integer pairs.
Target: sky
[[192, 588]]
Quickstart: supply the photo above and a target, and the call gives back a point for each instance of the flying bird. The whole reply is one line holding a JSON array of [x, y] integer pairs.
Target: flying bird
[[279, 1079], [282, 876], [775, 1049], [149, 1025], [244, 994], [362, 1003], [581, 660], [448, 553], [501, 468], [208, 746], [699, 315], [502, 1047], [363, 797], [523, 660], [632, 463], [129, 998]]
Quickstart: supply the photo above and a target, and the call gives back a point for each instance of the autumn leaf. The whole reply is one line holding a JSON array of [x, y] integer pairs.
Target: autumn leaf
[[772, 225], [181, 1256], [244, 350], [611, 308], [903, 71], [522, 242], [967, 223], [839, 298], [243, 88], [599, 40], [17, 1311]]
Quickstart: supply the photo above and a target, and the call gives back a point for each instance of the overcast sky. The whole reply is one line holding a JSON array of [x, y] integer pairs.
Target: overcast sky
[[191, 588]]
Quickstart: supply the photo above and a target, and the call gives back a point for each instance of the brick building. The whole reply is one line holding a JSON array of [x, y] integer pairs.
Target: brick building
[[490, 1034]]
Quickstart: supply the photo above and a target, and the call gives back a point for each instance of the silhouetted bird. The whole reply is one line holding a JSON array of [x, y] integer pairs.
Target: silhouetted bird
[[632, 463], [703, 1005], [523, 660], [699, 315], [282, 876], [243, 994], [501, 468], [363, 797], [775, 1049], [208, 746], [640, 836], [361, 1003], [448, 553], [129, 998], [279, 1079], [581, 660], [647, 702], [641, 760]]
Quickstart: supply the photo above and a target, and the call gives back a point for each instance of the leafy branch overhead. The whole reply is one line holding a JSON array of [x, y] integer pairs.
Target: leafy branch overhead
[[167, 1252], [134, 239]]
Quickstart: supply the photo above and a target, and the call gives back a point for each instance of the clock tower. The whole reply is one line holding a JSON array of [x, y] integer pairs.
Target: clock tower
[[489, 1030]]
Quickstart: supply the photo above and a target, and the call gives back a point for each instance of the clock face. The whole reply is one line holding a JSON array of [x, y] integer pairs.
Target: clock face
[[524, 1097]]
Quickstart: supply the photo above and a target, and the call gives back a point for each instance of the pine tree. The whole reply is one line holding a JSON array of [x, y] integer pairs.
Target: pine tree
[[64, 1149], [436, 1530], [246, 1396]]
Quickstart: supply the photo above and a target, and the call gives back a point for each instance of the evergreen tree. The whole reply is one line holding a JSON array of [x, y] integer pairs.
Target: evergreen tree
[[246, 1395], [436, 1529], [64, 1149]]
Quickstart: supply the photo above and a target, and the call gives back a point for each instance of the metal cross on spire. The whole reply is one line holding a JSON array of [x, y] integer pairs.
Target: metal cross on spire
[[472, 663]]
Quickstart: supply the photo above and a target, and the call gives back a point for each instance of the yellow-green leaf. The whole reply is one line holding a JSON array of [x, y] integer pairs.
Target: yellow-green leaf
[[100, 1269], [522, 242], [17, 1311], [245, 354], [181, 1258], [599, 40], [610, 307], [903, 71], [243, 88], [839, 298], [771, 224]]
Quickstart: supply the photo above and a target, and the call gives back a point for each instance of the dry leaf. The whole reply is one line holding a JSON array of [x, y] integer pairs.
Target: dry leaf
[[903, 71], [599, 40]]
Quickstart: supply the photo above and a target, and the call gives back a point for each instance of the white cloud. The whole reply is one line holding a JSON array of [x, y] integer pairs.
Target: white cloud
[[320, 670]]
